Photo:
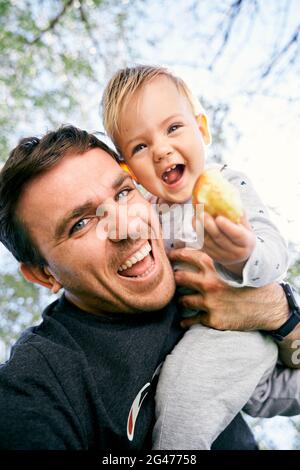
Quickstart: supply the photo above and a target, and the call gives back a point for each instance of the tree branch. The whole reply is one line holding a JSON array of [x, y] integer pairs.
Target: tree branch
[[293, 40], [233, 14], [52, 23], [88, 28]]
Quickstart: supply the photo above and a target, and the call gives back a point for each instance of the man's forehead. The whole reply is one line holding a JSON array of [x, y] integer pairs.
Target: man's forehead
[[94, 164], [74, 178], [94, 160]]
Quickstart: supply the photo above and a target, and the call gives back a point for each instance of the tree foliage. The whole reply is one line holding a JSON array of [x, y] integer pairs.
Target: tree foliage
[[294, 273], [56, 55], [50, 52], [20, 305]]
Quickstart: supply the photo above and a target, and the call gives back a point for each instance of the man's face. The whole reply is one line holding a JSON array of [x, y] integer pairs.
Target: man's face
[[96, 267]]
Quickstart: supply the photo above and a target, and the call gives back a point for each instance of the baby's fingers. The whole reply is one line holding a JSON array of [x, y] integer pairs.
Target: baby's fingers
[[237, 233], [215, 235], [210, 225]]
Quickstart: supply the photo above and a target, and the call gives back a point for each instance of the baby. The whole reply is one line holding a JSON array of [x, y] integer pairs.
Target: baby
[[162, 134]]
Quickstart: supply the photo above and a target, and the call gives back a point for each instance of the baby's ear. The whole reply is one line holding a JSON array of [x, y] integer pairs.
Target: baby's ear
[[204, 128], [126, 168]]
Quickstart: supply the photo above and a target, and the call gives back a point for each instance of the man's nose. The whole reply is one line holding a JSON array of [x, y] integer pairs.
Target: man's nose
[[127, 228]]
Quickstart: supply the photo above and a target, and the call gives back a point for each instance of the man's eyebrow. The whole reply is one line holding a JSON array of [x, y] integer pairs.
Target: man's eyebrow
[[120, 179], [88, 206]]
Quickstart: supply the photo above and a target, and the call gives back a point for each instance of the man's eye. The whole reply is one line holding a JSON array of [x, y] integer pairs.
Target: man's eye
[[173, 128], [138, 148], [124, 193], [79, 225]]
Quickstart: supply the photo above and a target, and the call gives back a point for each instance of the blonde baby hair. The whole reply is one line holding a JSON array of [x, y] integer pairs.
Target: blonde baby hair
[[124, 84]]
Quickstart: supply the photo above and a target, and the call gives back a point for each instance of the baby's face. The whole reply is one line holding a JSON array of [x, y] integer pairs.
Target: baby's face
[[161, 141]]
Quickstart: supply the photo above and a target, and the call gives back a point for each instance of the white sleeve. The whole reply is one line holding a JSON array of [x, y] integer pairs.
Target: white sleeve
[[276, 394], [269, 259]]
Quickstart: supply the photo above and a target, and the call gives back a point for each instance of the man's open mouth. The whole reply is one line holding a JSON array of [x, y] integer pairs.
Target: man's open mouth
[[140, 264], [173, 174]]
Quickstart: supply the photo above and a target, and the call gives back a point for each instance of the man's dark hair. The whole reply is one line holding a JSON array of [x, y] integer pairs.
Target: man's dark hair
[[31, 157]]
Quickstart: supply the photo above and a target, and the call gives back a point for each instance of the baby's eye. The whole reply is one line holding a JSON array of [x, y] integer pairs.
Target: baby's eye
[[173, 128], [138, 148], [79, 225]]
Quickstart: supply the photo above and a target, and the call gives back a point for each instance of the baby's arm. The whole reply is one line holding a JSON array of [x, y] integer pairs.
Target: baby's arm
[[267, 260]]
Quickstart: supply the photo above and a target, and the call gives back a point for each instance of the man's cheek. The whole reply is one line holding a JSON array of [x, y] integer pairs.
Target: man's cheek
[[149, 222], [112, 222]]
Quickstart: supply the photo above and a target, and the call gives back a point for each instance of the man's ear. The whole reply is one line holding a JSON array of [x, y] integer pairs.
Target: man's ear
[[40, 275], [204, 128]]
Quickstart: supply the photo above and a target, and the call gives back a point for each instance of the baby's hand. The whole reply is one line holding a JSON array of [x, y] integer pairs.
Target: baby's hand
[[228, 243]]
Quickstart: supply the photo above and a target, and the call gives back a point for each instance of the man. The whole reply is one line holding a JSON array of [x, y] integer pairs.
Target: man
[[85, 377]]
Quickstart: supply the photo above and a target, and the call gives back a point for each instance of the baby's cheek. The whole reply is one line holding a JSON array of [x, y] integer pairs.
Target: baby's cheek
[[149, 178]]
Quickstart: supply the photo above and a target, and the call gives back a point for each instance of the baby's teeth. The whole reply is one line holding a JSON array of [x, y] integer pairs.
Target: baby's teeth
[[170, 169]]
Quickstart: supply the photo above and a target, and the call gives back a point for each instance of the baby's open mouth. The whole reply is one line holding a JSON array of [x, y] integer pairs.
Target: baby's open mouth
[[173, 174]]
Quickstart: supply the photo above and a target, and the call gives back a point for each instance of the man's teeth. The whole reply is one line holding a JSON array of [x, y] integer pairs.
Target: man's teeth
[[137, 256]]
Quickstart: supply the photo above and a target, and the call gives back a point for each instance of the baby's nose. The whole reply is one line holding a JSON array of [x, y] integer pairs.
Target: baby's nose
[[161, 152]]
